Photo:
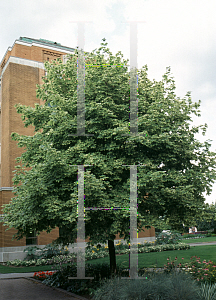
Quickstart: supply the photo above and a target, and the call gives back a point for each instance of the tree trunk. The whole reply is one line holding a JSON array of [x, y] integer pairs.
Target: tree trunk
[[112, 257]]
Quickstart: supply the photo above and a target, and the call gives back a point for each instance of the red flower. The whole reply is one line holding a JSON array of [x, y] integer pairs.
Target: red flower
[[42, 274]]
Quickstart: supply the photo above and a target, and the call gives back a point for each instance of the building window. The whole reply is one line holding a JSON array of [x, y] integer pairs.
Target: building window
[[3, 63], [49, 55], [31, 238], [61, 230]]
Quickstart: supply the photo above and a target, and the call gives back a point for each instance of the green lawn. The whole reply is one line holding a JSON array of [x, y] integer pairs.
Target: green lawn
[[207, 239], [7, 269], [148, 260]]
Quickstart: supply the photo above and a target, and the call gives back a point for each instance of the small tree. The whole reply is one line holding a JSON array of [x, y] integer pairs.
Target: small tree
[[178, 168]]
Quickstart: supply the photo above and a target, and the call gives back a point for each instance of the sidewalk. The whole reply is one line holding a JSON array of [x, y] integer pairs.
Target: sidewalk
[[202, 244], [20, 286]]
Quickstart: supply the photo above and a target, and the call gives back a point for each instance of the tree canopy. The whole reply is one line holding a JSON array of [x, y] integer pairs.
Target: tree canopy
[[177, 170], [207, 220]]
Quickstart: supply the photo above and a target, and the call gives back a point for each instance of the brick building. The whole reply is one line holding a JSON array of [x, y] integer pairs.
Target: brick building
[[21, 68]]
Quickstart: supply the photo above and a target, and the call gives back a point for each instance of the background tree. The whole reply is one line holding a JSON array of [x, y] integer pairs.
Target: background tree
[[207, 221], [177, 167]]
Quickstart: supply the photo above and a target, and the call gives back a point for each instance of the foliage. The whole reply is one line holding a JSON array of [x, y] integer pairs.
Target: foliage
[[101, 286], [202, 272], [166, 238], [211, 234], [42, 261], [157, 286], [120, 246], [208, 291], [193, 236], [42, 275], [204, 225], [50, 251], [31, 252], [19, 262], [208, 219], [80, 286]]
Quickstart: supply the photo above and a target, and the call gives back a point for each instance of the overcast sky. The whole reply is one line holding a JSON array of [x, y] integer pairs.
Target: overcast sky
[[176, 33]]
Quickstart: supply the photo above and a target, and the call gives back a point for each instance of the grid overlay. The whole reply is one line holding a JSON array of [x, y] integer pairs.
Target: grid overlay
[[133, 256]]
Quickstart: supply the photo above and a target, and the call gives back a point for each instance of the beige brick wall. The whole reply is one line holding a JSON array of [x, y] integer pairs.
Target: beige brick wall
[[5, 141], [7, 55], [46, 238], [19, 86], [6, 236], [33, 53]]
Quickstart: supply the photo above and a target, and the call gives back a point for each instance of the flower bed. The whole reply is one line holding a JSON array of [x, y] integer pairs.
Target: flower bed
[[202, 271], [95, 253], [42, 275], [42, 261], [156, 285]]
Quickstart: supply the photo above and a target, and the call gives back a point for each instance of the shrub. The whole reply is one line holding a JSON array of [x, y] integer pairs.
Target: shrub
[[171, 265], [120, 246], [202, 272], [15, 262], [31, 252], [208, 291], [81, 286], [171, 238], [157, 286], [193, 236], [51, 250], [48, 251]]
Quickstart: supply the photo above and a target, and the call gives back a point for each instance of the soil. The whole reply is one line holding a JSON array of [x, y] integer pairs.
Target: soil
[[87, 297]]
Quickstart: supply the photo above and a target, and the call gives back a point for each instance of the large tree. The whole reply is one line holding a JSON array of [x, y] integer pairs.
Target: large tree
[[177, 167]]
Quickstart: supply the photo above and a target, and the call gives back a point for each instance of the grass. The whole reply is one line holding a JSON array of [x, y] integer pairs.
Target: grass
[[7, 269], [146, 260], [158, 259]]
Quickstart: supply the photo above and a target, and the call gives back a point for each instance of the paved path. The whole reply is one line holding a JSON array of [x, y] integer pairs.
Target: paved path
[[202, 244], [31, 289]]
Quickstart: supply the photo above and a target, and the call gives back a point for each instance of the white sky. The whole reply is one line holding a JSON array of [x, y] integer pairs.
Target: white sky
[[180, 34]]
